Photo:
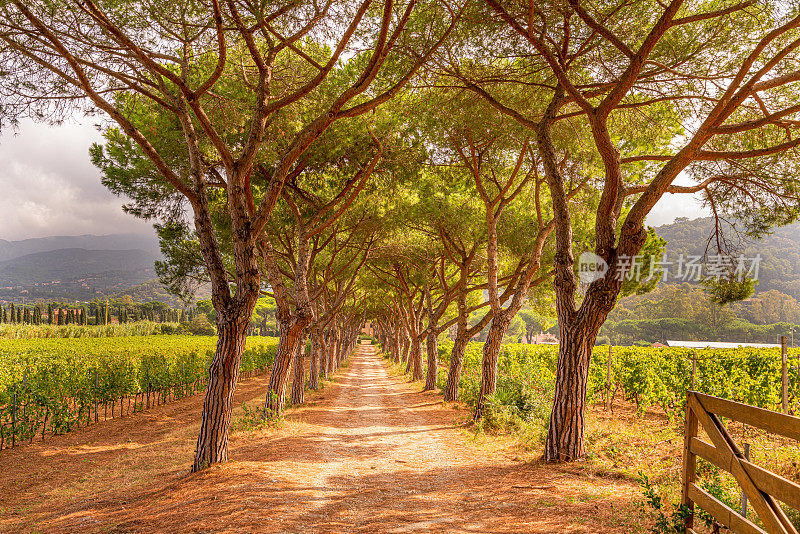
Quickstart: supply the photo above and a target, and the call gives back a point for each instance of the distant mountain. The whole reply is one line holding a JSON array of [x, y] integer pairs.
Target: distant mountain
[[74, 273], [779, 268], [15, 249]]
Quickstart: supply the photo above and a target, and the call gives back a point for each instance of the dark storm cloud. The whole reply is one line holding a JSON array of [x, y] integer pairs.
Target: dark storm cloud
[[48, 186]]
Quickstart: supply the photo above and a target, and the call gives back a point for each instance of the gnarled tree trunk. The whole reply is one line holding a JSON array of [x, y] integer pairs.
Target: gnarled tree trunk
[[432, 347], [415, 361], [565, 432], [491, 354], [212, 443], [299, 375], [291, 335], [456, 365], [313, 373]]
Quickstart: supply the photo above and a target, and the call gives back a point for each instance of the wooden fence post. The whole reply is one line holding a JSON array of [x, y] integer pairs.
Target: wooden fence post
[[689, 462], [784, 377]]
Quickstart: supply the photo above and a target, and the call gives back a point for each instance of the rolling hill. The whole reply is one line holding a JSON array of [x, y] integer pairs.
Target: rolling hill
[[780, 252], [75, 267], [15, 249]]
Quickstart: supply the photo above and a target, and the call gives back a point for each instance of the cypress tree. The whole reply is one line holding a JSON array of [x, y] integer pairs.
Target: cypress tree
[[49, 313], [12, 312]]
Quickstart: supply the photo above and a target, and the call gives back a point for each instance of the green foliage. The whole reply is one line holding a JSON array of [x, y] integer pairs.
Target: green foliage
[[688, 312], [646, 376], [54, 379], [779, 248], [255, 418], [653, 508], [198, 326], [725, 291], [140, 328], [650, 376], [650, 274]]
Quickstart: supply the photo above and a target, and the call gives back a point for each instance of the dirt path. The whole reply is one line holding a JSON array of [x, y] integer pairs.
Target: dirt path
[[368, 454]]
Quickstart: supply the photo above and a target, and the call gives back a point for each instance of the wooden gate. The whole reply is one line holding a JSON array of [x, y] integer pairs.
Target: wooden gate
[[761, 487]]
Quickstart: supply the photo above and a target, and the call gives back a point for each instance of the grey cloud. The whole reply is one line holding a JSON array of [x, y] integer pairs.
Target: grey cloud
[[48, 186]]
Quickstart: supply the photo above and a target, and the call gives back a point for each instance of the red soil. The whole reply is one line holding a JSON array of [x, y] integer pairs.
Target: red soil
[[368, 454]]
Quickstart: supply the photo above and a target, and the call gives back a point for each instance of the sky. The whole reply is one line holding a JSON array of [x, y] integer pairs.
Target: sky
[[49, 187]]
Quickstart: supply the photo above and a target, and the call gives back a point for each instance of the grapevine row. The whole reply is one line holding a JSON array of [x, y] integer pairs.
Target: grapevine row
[[52, 386]]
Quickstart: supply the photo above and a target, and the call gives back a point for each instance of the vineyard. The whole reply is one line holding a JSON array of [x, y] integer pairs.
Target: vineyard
[[32, 331], [645, 376], [58, 384]]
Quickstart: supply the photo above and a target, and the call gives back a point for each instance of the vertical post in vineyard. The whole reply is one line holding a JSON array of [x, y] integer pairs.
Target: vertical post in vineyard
[[784, 376], [608, 375], [744, 495], [694, 368], [13, 418], [95, 395], [148, 387], [14, 410]]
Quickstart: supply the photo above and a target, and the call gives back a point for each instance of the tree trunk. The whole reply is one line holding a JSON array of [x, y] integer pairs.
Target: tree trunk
[[491, 354], [313, 373], [565, 433], [406, 351], [290, 336], [299, 378], [416, 358], [331, 356], [456, 364], [212, 443], [394, 348], [433, 361]]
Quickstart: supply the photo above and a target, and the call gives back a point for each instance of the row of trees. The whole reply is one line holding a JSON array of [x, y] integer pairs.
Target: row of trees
[[96, 313], [54, 315], [416, 161]]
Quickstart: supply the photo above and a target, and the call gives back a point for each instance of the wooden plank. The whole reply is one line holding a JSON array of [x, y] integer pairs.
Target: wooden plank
[[766, 481], [775, 422], [730, 518], [763, 504], [688, 474]]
